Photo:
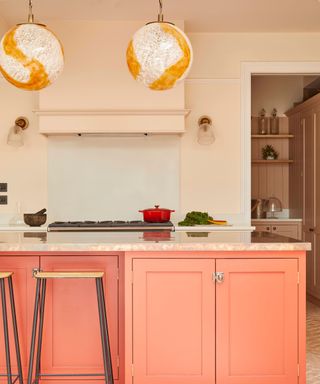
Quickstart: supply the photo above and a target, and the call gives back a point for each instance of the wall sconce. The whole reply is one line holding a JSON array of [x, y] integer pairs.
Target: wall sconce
[[15, 136], [205, 131]]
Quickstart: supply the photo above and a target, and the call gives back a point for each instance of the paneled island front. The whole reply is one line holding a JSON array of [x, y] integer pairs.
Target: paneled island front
[[183, 308]]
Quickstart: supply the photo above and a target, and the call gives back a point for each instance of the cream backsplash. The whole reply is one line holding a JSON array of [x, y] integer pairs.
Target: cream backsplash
[[103, 178]]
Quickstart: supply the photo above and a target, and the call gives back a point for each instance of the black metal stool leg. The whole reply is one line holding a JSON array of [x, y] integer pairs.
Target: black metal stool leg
[[109, 361], [40, 332], [15, 330], [6, 331], [104, 333], [104, 352], [34, 331]]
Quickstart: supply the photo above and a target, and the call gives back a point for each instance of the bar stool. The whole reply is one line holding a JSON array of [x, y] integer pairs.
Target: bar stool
[[41, 278], [11, 378]]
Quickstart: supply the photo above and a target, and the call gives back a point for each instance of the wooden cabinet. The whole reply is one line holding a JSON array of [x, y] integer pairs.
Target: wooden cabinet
[[279, 227], [256, 314], [24, 291], [71, 333], [173, 321], [187, 328], [271, 177], [305, 121]]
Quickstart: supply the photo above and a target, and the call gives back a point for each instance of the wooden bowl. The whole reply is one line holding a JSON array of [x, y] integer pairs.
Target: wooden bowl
[[34, 220]]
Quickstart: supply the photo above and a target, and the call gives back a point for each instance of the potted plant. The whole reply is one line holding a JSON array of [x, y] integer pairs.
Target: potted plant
[[269, 153]]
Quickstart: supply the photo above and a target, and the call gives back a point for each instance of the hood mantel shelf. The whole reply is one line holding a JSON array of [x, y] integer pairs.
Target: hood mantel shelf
[[157, 121], [113, 112]]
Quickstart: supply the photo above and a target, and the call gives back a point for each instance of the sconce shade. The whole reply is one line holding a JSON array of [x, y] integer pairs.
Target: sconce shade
[[159, 55], [205, 131], [15, 137], [31, 56]]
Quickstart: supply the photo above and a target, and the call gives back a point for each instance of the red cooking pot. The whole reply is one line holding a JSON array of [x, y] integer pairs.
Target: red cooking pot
[[156, 214]]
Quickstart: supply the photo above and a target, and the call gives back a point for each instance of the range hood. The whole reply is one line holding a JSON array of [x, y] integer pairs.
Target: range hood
[[66, 122]]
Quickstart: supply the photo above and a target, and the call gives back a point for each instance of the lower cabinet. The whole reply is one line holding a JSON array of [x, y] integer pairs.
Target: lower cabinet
[[189, 328], [257, 322], [24, 292], [71, 340], [173, 321]]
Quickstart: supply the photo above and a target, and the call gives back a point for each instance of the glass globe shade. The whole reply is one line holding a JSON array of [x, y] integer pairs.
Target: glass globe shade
[[31, 56], [205, 134], [159, 55], [15, 137]]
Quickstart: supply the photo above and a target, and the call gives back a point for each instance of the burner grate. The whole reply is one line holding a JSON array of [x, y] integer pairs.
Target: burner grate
[[108, 225]]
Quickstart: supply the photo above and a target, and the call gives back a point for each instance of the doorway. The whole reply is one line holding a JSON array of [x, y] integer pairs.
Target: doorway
[[274, 175]]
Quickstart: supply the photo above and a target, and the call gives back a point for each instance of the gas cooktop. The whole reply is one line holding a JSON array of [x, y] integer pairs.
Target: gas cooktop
[[109, 225]]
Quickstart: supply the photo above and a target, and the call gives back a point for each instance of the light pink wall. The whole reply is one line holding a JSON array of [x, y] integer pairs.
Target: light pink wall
[[24, 168], [96, 74]]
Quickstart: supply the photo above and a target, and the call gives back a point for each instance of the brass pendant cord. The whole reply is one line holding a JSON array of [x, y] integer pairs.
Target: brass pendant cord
[[160, 15], [30, 16]]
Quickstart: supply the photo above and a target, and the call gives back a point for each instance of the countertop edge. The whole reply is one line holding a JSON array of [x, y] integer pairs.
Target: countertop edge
[[194, 247]]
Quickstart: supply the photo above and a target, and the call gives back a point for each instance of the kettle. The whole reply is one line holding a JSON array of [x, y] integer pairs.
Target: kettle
[[258, 208]]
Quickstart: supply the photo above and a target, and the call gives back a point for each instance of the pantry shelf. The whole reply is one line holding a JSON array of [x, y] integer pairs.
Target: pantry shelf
[[272, 136], [272, 161]]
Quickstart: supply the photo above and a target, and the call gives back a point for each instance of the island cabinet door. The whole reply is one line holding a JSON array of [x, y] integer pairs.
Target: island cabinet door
[[71, 342], [173, 321], [257, 322], [24, 291]]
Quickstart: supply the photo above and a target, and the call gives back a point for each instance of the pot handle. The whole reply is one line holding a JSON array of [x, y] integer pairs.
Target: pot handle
[[172, 210]]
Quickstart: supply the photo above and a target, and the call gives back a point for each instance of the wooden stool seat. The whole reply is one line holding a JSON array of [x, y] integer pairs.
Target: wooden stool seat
[[5, 275], [68, 275]]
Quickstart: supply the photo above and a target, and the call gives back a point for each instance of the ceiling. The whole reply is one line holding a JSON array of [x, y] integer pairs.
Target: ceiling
[[199, 15]]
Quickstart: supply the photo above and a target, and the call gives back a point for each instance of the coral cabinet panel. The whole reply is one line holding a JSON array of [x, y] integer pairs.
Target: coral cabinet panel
[[257, 322], [24, 291], [71, 342], [173, 321]]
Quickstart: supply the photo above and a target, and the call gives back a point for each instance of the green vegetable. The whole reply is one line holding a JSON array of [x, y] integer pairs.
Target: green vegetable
[[269, 151], [195, 218]]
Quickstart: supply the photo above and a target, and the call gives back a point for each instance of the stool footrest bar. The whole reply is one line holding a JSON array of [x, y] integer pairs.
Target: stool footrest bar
[[69, 374]]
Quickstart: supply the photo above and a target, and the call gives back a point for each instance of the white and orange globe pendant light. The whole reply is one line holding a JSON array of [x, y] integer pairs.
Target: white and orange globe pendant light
[[31, 56], [159, 54]]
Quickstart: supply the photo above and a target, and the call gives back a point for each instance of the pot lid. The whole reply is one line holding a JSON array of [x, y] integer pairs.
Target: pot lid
[[156, 208]]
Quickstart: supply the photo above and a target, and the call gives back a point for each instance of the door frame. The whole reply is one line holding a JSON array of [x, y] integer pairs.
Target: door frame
[[249, 68]]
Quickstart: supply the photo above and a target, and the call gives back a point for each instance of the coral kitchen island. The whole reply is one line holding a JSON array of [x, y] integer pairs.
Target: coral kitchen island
[[189, 308]]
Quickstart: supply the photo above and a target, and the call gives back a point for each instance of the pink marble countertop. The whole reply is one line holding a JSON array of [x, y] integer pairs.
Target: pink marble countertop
[[146, 241]]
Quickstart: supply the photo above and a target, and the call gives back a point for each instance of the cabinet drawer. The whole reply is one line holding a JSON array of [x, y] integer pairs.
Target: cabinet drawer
[[286, 230], [263, 228], [282, 228]]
